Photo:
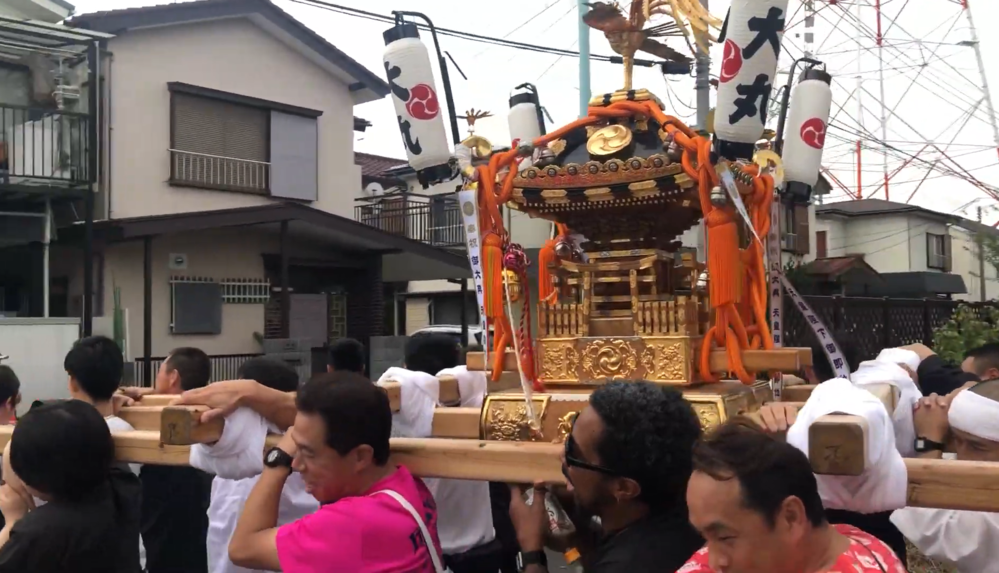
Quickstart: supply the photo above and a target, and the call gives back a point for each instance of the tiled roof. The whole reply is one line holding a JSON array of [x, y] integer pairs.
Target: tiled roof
[[833, 267], [872, 207], [376, 165], [201, 10]]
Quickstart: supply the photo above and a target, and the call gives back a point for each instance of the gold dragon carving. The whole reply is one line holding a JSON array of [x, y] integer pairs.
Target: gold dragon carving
[[664, 361], [559, 361]]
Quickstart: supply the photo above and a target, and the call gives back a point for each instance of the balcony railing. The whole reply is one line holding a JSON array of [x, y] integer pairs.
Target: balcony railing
[[434, 220], [43, 144], [224, 367], [217, 172]]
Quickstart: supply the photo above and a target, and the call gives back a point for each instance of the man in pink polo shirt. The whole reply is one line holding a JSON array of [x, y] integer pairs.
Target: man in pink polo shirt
[[376, 516]]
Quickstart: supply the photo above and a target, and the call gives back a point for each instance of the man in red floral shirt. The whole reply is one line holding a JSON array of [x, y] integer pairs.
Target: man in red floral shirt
[[756, 502]]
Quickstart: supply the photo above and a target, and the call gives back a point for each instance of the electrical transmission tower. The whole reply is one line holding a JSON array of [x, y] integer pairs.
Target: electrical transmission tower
[[912, 113]]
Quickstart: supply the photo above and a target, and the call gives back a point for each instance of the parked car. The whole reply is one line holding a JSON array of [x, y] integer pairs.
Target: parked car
[[474, 332]]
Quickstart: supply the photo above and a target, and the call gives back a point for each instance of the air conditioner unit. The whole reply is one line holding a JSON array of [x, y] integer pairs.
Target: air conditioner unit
[[789, 241]]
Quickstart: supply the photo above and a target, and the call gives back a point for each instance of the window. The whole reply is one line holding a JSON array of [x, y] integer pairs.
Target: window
[[794, 229], [820, 244], [938, 252], [231, 142], [219, 145]]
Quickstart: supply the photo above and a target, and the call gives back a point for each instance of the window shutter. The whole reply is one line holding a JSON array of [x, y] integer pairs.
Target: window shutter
[[801, 229], [219, 144], [224, 129], [948, 264], [929, 250], [820, 245], [294, 156]]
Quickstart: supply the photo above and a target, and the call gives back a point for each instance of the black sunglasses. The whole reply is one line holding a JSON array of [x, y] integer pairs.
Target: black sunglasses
[[572, 461]]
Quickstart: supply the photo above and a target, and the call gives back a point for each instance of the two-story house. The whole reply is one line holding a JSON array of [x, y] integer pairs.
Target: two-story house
[[227, 184], [393, 200], [48, 133], [918, 252]]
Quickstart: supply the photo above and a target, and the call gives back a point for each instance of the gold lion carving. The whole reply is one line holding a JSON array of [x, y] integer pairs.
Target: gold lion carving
[[615, 359], [708, 414]]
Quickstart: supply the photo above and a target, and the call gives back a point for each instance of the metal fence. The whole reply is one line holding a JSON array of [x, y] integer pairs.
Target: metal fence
[[434, 220], [39, 143], [872, 324], [224, 367], [213, 171]]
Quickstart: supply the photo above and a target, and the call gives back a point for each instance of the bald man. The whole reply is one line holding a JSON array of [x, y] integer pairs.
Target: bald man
[[967, 420]]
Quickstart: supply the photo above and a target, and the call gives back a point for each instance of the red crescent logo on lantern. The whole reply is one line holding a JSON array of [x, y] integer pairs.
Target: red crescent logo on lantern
[[731, 62], [423, 102], [813, 133]]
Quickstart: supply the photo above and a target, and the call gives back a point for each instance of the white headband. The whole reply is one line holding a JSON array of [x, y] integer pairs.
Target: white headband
[[900, 356], [975, 414]]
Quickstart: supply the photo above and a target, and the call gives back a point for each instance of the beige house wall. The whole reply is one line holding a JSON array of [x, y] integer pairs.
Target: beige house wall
[[235, 56]]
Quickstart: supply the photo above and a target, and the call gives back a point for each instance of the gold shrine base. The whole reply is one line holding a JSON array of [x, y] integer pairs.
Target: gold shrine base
[[504, 416], [667, 359]]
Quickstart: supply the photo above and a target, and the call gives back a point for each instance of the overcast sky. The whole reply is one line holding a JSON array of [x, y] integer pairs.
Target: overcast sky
[[931, 82]]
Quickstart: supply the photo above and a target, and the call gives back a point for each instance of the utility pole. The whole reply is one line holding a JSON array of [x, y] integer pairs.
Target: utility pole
[[702, 84], [584, 60], [981, 259]]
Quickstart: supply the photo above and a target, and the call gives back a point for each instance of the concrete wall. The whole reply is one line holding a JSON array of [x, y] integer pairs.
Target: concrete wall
[[37, 347], [234, 56], [215, 254]]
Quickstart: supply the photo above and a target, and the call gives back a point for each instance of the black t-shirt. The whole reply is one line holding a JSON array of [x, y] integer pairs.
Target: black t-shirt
[[175, 515], [654, 544], [98, 534]]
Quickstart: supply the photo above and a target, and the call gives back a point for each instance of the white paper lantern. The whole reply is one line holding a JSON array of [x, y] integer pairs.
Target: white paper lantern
[[524, 117], [754, 31], [805, 128], [414, 93]]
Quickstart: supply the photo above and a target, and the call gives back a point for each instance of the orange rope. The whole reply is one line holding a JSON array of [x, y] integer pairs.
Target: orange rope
[[729, 267], [740, 319]]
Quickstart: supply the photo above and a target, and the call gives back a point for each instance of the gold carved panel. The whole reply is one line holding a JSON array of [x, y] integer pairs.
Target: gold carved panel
[[505, 418], [594, 360], [610, 359], [716, 403], [559, 360], [667, 361]]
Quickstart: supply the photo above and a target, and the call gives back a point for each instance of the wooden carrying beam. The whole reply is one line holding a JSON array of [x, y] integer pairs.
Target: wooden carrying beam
[[782, 359], [946, 484], [449, 394], [182, 426]]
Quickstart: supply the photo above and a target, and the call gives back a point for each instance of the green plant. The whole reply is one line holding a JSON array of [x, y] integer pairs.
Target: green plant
[[967, 328]]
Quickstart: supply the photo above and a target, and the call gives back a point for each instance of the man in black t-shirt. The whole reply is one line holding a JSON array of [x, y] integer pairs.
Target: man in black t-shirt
[[64, 455], [175, 499], [627, 461]]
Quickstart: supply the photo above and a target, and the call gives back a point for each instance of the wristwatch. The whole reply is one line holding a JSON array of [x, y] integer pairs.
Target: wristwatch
[[278, 458], [924, 445], [531, 558]]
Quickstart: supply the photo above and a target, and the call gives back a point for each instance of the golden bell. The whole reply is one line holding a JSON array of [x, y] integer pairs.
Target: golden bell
[[512, 281]]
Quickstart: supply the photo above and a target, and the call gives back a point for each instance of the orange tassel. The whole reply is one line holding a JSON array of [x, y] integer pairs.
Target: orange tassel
[[725, 262], [492, 271], [545, 258]]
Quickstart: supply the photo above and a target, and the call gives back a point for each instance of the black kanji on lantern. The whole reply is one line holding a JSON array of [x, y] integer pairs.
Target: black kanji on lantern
[[753, 100], [412, 143], [766, 30], [393, 73]]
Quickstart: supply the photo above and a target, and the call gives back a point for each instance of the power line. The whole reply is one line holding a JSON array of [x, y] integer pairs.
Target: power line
[[348, 11]]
